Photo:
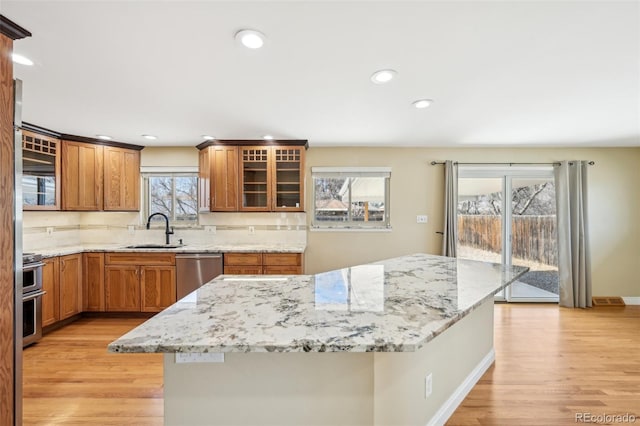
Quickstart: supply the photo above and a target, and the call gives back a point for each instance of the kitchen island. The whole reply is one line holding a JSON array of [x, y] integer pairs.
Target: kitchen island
[[399, 341]]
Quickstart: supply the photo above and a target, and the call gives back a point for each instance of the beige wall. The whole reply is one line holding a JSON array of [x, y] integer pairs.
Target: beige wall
[[169, 157], [417, 188]]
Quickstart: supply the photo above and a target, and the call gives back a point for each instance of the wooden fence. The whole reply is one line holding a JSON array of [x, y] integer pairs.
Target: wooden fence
[[533, 237]]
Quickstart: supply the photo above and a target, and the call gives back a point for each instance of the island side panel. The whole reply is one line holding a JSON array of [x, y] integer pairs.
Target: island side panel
[[271, 389], [399, 378]]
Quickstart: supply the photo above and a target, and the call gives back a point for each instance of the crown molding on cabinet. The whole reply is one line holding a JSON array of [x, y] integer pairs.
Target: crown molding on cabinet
[[254, 142], [11, 29]]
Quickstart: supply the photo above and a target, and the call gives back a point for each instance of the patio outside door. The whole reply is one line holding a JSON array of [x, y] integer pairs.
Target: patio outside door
[[516, 230]]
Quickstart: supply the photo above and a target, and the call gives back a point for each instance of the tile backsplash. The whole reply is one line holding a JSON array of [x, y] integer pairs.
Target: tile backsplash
[[43, 230]]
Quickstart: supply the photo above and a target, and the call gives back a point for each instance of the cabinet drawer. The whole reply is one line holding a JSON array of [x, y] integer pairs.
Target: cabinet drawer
[[282, 270], [242, 259], [282, 259], [158, 259], [243, 270]]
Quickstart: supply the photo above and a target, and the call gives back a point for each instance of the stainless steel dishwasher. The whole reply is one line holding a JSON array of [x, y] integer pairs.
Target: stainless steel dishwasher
[[195, 269]]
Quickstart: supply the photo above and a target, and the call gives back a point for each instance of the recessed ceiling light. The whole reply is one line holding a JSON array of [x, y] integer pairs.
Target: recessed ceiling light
[[383, 76], [422, 103], [250, 38], [150, 137], [104, 137], [267, 137], [207, 137], [22, 60]]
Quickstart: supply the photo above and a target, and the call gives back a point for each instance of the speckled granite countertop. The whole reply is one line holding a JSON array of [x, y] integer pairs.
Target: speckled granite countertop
[[188, 248], [396, 305]]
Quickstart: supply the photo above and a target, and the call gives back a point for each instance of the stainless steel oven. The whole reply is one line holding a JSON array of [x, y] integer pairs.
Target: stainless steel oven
[[31, 298]]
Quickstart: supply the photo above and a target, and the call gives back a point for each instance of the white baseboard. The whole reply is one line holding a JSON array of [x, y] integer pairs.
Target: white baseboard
[[631, 300], [456, 398]]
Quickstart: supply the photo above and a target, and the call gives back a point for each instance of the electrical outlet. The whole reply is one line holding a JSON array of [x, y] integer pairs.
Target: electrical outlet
[[421, 218], [131, 229], [210, 229], [428, 385], [49, 230], [252, 229], [187, 358]]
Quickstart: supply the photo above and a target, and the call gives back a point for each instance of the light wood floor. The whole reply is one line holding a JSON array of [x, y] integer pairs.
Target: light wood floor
[[551, 363]]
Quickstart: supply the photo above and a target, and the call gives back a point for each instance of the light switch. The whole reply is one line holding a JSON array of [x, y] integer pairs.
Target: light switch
[[421, 218]]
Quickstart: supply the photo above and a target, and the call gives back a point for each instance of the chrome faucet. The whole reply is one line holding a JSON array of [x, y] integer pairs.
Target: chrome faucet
[[168, 231]]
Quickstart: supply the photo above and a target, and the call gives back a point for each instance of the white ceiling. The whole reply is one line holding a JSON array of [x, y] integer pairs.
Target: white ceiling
[[540, 73]]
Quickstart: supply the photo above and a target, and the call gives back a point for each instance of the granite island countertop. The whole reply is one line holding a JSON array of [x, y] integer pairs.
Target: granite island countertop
[[395, 305]]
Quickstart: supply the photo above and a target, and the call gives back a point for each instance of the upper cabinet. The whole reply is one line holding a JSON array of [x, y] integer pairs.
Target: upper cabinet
[[40, 171], [218, 178], [82, 174], [121, 179], [240, 176], [67, 172], [96, 177]]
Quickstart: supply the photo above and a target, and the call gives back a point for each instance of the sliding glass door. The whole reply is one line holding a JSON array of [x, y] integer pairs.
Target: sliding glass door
[[518, 229]]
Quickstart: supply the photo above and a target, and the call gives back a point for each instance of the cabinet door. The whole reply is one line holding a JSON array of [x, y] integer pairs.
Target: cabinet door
[[122, 288], [40, 172], [224, 178], [121, 179], [82, 171], [70, 285], [243, 259], [93, 289], [50, 284], [204, 186], [287, 191], [158, 287], [255, 178]]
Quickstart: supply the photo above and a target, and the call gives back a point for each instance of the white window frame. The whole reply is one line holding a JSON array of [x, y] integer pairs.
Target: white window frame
[[353, 172], [147, 172]]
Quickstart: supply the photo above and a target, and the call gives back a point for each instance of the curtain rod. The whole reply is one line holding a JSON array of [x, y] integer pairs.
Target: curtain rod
[[433, 163]]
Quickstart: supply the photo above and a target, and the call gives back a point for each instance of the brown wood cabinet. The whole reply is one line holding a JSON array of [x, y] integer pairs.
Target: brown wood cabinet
[[121, 179], [70, 285], [240, 176], [218, 186], [96, 177], [204, 183], [157, 288], [122, 288], [140, 282], [272, 178], [93, 276], [82, 175], [263, 263], [40, 171], [51, 285]]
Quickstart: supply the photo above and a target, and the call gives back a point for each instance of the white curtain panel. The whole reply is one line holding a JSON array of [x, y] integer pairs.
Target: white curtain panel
[[574, 266], [450, 230]]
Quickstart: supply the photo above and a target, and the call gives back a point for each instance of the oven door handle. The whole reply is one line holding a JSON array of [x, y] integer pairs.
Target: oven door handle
[[32, 266], [31, 296]]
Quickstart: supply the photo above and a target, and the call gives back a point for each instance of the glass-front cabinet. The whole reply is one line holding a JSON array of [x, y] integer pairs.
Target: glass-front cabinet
[[255, 178], [40, 171], [271, 178]]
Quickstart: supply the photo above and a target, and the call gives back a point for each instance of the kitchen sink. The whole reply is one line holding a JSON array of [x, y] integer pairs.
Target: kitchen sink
[[156, 246]]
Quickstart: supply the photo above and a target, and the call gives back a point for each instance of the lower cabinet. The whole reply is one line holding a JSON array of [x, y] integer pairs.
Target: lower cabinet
[[93, 275], [70, 285], [263, 263], [51, 285], [139, 282]]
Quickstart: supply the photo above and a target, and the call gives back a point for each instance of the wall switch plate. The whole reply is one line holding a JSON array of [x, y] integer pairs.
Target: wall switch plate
[[49, 230], [421, 218], [210, 229], [428, 385], [188, 358], [252, 229], [131, 229]]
